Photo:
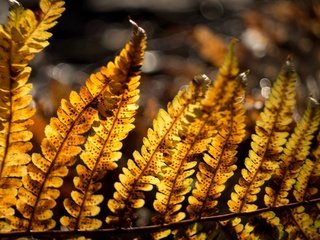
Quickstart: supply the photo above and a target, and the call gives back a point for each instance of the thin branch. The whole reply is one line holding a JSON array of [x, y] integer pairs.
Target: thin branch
[[139, 231]]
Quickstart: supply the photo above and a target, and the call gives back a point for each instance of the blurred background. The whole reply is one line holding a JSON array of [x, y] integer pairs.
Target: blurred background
[[185, 38]]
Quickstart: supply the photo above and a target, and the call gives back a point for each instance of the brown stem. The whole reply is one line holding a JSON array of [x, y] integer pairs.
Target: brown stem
[[144, 230]]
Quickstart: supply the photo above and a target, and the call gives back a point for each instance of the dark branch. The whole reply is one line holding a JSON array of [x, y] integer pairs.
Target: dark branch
[[139, 231]]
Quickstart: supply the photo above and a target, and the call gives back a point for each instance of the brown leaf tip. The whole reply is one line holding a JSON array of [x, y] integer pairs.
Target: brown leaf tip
[[136, 28], [201, 79], [313, 101]]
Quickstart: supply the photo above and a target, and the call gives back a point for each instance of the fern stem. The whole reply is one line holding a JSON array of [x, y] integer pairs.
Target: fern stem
[[152, 228]]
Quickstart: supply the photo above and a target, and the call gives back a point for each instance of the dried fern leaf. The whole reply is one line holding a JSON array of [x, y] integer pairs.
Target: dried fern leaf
[[102, 150], [66, 133], [266, 146], [18, 39], [293, 157], [140, 173], [219, 163]]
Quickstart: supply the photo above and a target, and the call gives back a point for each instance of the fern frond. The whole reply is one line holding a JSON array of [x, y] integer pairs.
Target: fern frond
[[219, 95], [298, 224], [293, 157], [102, 150], [306, 224], [266, 146], [17, 40], [197, 231], [175, 176], [29, 30], [264, 226], [141, 172], [50, 11], [196, 133], [301, 187], [308, 179], [66, 133], [219, 162]]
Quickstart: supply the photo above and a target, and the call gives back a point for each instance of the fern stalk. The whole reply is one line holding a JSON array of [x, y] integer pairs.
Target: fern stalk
[[138, 231]]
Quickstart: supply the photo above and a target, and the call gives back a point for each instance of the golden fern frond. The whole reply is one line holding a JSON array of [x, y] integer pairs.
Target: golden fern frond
[[260, 227], [29, 30], [195, 133], [219, 162], [219, 95], [17, 40], [141, 172], [66, 133], [194, 232], [307, 184], [175, 181], [298, 224], [102, 150], [197, 231], [50, 11], [293, 157], [301, 186], [266, 146]]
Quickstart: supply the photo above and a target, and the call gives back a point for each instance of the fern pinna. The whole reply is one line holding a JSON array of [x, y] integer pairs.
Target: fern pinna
[[188, 170]]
